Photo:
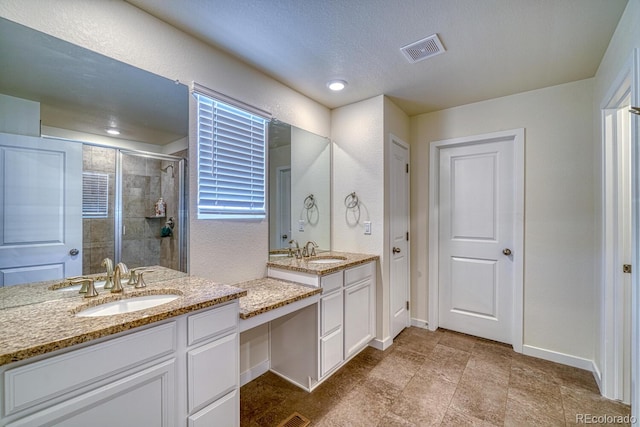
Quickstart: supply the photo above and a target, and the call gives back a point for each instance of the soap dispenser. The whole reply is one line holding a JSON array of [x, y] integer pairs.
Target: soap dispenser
[[160, 207]]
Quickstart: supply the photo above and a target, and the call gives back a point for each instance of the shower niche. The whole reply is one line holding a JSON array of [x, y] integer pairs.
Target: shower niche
[[131, 230]]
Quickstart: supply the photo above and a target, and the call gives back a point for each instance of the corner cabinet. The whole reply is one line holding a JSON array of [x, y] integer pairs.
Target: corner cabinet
[[180, 371], [309, 345]]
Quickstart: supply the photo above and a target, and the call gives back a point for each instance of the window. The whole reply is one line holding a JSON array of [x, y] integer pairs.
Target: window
[[231, 160], [95, 195]]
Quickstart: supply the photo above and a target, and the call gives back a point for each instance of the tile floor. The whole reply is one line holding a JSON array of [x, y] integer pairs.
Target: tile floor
[[434, 378]]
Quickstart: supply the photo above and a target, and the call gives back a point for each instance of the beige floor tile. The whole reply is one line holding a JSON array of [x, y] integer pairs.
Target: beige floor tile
[[435, 378]]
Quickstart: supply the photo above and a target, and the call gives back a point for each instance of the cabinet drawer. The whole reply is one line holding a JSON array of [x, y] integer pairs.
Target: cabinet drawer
[[356, 274], [331, 352], [330, 312], [30, 384], [208, 324], [213, 371], [223, 412], [331, 282]]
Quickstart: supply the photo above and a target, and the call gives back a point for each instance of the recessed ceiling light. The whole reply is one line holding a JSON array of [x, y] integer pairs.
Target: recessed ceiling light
[[113, 131], [336, 85]]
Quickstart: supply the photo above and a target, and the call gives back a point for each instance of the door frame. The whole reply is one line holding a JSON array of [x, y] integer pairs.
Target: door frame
[[517, 137], [395, 140], [610, 377]]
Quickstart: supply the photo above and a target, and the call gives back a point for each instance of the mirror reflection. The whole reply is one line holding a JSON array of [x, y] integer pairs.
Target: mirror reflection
[[56, 97], [300, 188]]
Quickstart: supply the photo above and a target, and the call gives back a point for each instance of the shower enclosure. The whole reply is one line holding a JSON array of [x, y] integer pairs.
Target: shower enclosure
[[129, 229]]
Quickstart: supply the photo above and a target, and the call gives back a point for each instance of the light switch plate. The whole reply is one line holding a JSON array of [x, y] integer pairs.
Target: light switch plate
[[367, 227], [300, 225]]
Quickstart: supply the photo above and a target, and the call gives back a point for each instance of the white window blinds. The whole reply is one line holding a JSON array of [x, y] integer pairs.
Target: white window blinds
[[95, 195], [231, 161]]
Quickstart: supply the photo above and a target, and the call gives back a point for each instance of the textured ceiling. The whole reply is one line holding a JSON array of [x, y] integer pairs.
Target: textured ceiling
[[494, 47]]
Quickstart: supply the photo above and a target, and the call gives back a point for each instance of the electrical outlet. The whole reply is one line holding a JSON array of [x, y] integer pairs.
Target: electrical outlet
[[367, 227], [301, 225]]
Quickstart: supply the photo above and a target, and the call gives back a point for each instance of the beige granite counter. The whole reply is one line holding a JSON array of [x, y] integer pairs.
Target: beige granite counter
[[267, 294], [37, 320], [303, 265]]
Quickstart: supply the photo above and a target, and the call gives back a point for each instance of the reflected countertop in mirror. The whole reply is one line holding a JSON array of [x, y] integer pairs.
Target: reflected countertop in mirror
[[52, 290]]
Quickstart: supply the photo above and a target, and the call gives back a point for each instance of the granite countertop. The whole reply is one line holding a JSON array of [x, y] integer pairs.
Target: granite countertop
[[267, 294], [47, 321], [303, 265]]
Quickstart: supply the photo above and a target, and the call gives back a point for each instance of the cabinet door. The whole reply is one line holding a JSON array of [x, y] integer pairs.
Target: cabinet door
[[331, 353], [213, 371], [145, 398], [330, 312], [358, 317]]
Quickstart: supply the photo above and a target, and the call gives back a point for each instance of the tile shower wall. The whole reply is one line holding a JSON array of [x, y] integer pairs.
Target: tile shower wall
[[143, 183], [98, 233]]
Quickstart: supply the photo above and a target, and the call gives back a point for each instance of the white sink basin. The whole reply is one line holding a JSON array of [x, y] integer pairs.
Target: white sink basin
[[126, 305], [325, 260]]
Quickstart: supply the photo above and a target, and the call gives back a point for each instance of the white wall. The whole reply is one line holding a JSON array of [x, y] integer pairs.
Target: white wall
[[559, 207], [360, 133], [624, 40], [19, 116]]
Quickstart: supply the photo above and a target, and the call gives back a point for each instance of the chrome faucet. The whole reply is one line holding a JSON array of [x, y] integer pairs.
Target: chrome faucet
[[120, 270], [297, 251], [108, 264], [306, 252]]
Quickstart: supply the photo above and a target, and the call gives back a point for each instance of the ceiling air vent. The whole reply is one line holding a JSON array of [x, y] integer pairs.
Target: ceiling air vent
[[423, 49]]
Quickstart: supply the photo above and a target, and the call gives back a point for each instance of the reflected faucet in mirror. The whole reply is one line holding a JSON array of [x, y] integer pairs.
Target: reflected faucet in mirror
[[120, 270]]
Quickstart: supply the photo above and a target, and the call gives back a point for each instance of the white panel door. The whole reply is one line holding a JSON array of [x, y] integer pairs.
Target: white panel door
[[399, 230], [476, 199], [40, 209]]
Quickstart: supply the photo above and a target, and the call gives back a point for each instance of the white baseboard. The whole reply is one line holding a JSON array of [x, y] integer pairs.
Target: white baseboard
[[419, 323], [381, 344], [254, 372], [597, 375], [554, 356]]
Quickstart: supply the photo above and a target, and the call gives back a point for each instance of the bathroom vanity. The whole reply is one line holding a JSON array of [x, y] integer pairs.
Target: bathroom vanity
[[176, 363], [173, 364], [310, 344]]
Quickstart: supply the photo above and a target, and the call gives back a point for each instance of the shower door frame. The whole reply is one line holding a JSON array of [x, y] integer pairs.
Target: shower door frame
[[182, 211]]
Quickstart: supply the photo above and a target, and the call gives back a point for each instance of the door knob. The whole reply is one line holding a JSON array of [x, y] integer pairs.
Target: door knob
[[284, 237], [506, 251], [395, 250], [74, 252]]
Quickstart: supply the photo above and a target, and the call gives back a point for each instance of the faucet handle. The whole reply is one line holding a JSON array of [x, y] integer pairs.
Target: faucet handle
[[140, 283], [88, 287]]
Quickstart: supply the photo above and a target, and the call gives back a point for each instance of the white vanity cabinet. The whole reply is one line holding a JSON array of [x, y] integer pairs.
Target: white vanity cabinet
[[182, 371], [309, 345]]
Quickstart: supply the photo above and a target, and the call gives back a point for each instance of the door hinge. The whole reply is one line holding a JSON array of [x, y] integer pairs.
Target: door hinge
[[407, 305], [407, 236], [407, 167], [626, 268]]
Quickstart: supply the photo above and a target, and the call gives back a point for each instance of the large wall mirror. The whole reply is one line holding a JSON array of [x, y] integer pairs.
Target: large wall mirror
[[299, 188], [78, 96]]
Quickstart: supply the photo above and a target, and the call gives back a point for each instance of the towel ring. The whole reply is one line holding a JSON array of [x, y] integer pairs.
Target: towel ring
[[309, 202], [351, 201]]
